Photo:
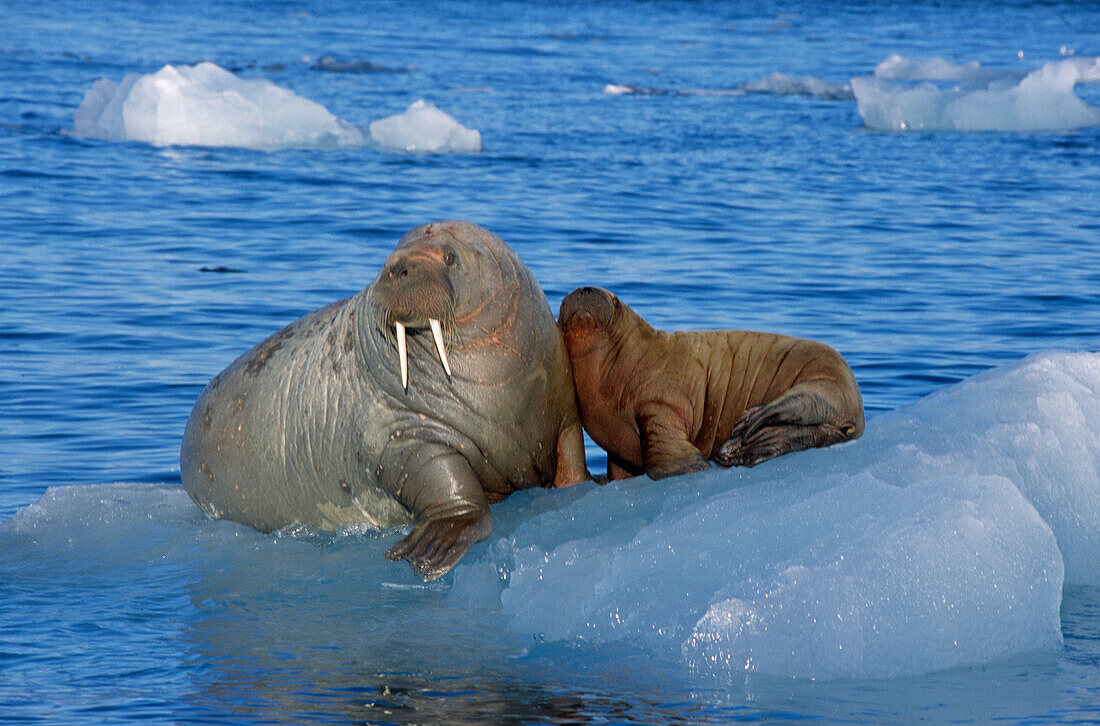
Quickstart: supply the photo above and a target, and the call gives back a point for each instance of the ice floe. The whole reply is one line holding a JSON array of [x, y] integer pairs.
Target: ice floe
[[940, 539], [938, 95], [206, 105], [423, 127]]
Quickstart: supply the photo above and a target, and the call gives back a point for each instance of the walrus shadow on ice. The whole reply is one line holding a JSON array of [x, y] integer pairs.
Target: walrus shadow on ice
[[439, 389], [669, 403]]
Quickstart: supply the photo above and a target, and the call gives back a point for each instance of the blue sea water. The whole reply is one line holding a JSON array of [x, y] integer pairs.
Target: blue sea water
[[130, 274]]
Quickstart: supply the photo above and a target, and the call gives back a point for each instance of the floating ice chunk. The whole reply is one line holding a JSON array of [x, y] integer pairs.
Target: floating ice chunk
[[780, 84], [617, 89], [205, 105], [900, 580], [1088, 69], [795, 575], [939, 539], [1036, 423], [1042, 100], [628, 89], [899, 68], [423, 127]]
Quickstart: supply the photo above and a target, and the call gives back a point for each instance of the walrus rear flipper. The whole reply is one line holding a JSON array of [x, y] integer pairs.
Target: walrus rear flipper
[[772, 441], [809, 415], [450, 514]]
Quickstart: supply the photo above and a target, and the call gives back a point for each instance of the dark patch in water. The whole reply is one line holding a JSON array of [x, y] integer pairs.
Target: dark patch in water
[[330, 64]]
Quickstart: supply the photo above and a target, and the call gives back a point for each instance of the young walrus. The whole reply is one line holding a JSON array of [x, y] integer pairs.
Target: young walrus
[[666, 403]]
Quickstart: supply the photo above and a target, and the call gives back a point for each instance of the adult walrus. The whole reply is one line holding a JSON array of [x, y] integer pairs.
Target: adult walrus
[[666, 403], [440, 388]]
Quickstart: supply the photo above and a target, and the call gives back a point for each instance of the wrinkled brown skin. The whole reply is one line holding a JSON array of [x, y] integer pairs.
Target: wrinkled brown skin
[[667, 403], [313, 426]]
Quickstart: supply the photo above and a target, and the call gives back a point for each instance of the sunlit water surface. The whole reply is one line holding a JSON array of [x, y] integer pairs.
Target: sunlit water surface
[[131, 274]]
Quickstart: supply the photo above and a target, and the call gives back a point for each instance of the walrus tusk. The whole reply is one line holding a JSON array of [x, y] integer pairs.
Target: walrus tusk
[[402, 354], [437, 333]]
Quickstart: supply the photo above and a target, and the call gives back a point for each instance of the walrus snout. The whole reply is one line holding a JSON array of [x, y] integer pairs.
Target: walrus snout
[[414, 290], [415, 287], [434, 258], [592, 305]]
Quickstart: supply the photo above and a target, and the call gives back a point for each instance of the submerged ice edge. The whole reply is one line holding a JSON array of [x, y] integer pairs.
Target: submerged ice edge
[[774, 84], [205, 105]]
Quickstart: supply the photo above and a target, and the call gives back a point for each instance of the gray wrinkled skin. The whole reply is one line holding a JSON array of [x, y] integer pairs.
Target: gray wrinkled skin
[[312, 426]]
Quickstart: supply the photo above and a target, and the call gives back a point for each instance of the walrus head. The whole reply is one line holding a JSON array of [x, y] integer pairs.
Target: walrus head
[[459, 288], [416, 291], [585, 316], [592, 306]]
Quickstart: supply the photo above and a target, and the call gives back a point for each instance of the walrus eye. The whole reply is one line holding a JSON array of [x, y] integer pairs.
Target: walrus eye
[[449, 258]]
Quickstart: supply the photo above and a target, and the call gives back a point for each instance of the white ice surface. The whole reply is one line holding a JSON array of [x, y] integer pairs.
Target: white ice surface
[[423, 127], [938, 95], [939, 539], [205, 105]]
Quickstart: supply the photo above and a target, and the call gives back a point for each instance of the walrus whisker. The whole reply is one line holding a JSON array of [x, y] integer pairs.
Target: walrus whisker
[[437, 333], [402, 354]]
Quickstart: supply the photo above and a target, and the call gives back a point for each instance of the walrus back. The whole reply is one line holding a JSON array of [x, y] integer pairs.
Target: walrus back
[[269, 441], [743, 369]]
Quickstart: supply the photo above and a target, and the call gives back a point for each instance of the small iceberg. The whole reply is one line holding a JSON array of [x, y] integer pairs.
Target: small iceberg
[[937, 95], [423, 127], [628, 89], [206, 105]]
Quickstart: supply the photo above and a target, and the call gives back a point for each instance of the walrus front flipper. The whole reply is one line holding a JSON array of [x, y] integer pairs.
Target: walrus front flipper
[[571, 466], [450, 512], [666, 449], [808, 415]]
